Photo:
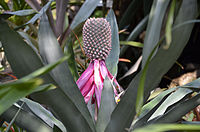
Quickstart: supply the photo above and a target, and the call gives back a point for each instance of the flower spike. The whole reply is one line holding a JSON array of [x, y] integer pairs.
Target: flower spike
[[97, 38], [97, 46]]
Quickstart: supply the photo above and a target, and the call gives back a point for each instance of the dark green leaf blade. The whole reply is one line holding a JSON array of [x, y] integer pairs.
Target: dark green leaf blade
[[50, 51], [107, 105], [22, 57], [26, 120], [21, 12], [175, 113], [154, 27], [85, 11], [168, 127], [65, 109], [147, 107], [171, 99], [10, 93], [113, 57], [167, 58], [169, 24], [42, 113], [41, 12]]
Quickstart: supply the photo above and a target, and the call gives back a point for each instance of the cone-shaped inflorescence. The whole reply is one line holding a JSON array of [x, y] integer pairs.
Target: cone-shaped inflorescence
[[97, 38]]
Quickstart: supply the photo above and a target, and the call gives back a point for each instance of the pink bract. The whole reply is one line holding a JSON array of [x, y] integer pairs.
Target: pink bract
[[91, 81]]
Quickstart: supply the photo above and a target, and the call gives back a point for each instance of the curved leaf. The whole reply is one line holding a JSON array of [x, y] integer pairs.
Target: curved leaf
[[85, 11], [21, 56], [132, 43], [171, 99], [113, 57], [50, 51], [45, 115], [107, 105], [11, 92], [21, 12], [26, 120], [175, 113], [41, 12], [154, 27], [65, 110], [168, 127]]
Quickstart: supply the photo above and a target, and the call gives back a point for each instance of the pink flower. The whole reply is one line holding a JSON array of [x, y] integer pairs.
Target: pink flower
[[97, 45], [91, 81]]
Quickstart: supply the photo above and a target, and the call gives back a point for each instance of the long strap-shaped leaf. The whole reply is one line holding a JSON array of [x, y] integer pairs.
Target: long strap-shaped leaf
[[51, 52], [124, 113], [154, 27], [107, 105], [21, 56], [26, 120], [113, 57], [85, 11], [178, 111]]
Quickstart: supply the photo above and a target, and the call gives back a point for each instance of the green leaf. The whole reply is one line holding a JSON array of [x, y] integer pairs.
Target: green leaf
[[152, 36], [143, 118], [50, 51], [132, 43], [30, 41], [124, 112], [44, 114], [14, 118], [85, 11], [65, 110], [171, 99], [169, 24], [71, 61], [45, 69], [11, 92], [21, 56], [168, 127], [179, 110], [140, 92], [26, 120], [147, 107], [40, 13], [107, 105], [25, 12], [33, 4], [113, 57]]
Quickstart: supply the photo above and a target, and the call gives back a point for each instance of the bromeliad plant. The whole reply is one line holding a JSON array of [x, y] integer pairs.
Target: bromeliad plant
[[97, 46], [68, 106]]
